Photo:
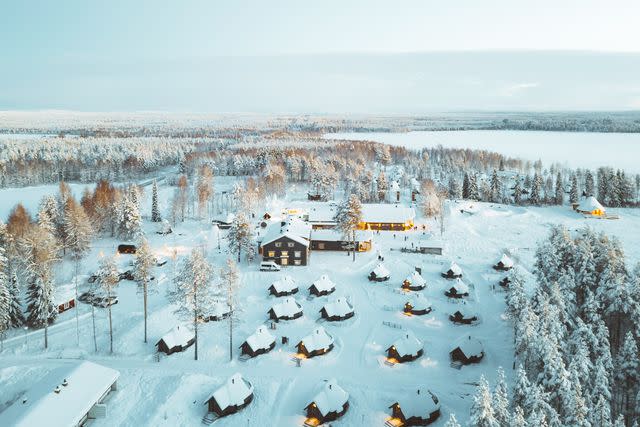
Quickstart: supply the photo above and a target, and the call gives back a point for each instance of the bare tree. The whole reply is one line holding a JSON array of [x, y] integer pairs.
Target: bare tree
[[142, 269], [108, 279]]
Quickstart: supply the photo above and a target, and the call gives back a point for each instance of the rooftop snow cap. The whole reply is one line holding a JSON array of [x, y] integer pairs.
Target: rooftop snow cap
[[233, 392], [590, 204], [284, 284], [469, 346], [317, 340], [454, 268], [408, 345], [506, 261], [288, 308], [381, 271], [180, 335], [261, 338], [460, 287], [324, 283], [340, 307], [331, 398], [415, 279]]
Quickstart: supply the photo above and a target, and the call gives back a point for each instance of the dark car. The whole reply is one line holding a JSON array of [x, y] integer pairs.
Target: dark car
[[87, 297], [105, 302], [127, 275], [127, 249]]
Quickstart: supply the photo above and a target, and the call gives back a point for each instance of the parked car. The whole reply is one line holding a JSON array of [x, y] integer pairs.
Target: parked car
[[127, 249], [87, 297], [105, 302], [269, 266]]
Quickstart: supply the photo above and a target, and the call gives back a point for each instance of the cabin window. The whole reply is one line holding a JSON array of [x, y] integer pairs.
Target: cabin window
[[284, 253], [320, 245], [278, 244], [272, 254], [297, 254], [297, 262], [290, 244]]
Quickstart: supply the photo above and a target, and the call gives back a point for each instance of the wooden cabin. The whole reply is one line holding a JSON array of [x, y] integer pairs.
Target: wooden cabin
[[65, 298], [286, 242], [452, 272], [317, 343], [405, 349], [176, 340], [219, 310], [419, 409], [338, 310], [463, 316], [504, 264], [414, 282], [283, 287], [127, 249], [324, 239], [458, 290], [467, 350], [505, 282], [328, 405], [235, 394], [289, 309], [417, 306], [387, 217], [323, 286], [591, 206], [379, 274], [260, 342]]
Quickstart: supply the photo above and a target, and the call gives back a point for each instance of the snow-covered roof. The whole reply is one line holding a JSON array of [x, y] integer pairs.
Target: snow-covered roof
[[506, 261], [219, 309], [65, 293], [226, 219], [455, 269], [322, 213], [284, 284], [460, 287], [415, 279], [261, 338], [331, 398], [381, 271], [233, 392], [332, 235], [590, 204], [388, 213], [180, 335], [408, 344], [419, 302], [395, 186], [287, 308], [419, 404], [339, 307], [317, 340], [324, 283], [293, 228], [470, 346], [42, 406], [464, 310]]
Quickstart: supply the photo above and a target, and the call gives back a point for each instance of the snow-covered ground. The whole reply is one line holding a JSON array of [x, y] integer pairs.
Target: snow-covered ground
[[172, 391], [575, 149]]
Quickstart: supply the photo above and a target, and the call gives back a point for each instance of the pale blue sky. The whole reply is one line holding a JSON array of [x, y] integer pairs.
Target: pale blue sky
[[328, 56]]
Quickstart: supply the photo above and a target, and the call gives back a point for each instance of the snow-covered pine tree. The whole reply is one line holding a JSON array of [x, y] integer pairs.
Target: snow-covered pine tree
[[573, 191], [195, 293], [5, 298], [500, 399], [39, 251], [520, 389], [142, 269], [382, 186], [155, 211], [348, 216], [495, 188], [48, 215], [559, 195], [15, 307], [454, 188], [574, 406], [589, 185], [517, 418], [130, 221], [627, 376], [452, 421], [482, 412], [517, 191], [535, 198], [474, 191], [240, 236], [108, 279], [466, 186]]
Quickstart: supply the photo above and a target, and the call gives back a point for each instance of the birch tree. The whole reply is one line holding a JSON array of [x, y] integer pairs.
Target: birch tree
[[231, 284], [240, 236], [142, 269], [108, 279], [348, 216]]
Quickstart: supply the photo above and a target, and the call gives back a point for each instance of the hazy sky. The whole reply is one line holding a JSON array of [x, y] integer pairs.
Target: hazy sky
[[327, 56]]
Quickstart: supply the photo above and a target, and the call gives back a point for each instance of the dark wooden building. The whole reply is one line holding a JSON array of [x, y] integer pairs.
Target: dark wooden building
[[260, 342], [235, 394], [458, 290], [405, 349], [467, 350], [178, 339], [337, 310], [289, 309], [317, 343], [286, 243], [420, 409], [330, 404], [323, 286], [463, 316]]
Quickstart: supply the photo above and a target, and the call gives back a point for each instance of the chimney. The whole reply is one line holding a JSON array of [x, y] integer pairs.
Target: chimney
[[57, 389], [418, 391], [65, 383]]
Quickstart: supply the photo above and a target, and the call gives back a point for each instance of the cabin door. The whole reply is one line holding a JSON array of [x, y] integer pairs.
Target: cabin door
[[284, 261]]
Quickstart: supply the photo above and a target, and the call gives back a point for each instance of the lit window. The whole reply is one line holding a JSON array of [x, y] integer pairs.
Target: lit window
[[297, 254], [272, 254], [320, 245], [284, 253], [297, 262]]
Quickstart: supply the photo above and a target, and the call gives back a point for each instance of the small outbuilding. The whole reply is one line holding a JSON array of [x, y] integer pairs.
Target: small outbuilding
[[283, 287], [317, 343], [176, 340], [323, 286], [458, 290], [504, 264], [328, 405], [260, 342], [467, 350], [414, 282], [417, 306], [236, 393], [65, 298], [463, 316], [379, 274], [405, 349], [452, 272], [419, 409], [219, 310], [338, 310], [505, 282], [288, 309], [591, 206]]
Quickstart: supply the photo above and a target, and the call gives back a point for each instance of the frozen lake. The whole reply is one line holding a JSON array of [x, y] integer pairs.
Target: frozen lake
[[589, 150]]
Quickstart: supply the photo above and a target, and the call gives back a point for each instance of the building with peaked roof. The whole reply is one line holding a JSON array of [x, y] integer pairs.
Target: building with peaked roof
[[260, 342], [418, 409], [67, 396], [288, 309], [463, 315], [340, 309], [283, 287], [379, 273], [452, 272], [329, 404], [176, 340], [414, 282], [504, 264], [235, 394], [591, 206], [384, 216], [323, 286], [406, 348], [286, 242], [458, 290], [317, 343], [467, 350], [418, 306]]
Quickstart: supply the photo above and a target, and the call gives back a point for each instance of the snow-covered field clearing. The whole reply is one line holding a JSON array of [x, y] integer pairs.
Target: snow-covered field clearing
[[172, 391], [575, 149]]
